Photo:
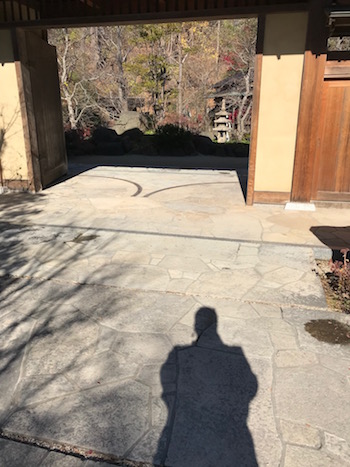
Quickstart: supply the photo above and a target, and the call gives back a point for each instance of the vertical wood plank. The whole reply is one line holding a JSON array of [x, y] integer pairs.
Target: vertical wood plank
[[332, 182], [134, 7], [255, 111], [171, 5], [19, 7], [27, 112], [328, 163], [181, 5], [13, 18], [143, 6], [200, 5], [318, 153], [310, 102], [191, 5], [3, 10], [308, 127], [34, 182], [125, 7], [152, 4], [342, 182], [162, 5]]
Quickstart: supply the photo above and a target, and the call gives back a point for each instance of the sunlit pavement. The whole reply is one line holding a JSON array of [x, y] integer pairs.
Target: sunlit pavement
[[150, 315]]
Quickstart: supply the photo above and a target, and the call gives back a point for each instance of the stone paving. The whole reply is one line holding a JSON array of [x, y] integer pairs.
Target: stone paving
[[149, 317]]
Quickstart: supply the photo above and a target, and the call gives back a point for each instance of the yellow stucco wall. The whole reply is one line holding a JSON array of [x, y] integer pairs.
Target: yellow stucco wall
[[12, 153], [282, 68]]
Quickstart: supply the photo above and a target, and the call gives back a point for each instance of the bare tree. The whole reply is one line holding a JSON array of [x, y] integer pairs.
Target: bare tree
[[239, 58], [74, 78], [171, 68], [339, 43], [91, 69]]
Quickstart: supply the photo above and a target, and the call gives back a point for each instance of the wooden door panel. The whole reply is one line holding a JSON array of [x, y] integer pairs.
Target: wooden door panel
[[47, 108], [332, 170], [342, 183], [332, 120]]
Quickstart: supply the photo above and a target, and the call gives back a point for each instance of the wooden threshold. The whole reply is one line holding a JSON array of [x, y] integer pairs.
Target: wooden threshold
[[332, 196], [332, 204], [271, 197]]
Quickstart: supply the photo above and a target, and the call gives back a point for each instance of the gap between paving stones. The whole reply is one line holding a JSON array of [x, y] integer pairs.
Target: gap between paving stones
[[70, 450], [321, 251], [179, 294], [256, 361]]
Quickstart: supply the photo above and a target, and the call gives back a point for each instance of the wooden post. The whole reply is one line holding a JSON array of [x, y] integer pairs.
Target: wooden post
[[255, 111], [310, 102]]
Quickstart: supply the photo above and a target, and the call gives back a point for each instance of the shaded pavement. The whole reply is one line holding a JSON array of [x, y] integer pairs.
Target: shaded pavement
[[151, 316]]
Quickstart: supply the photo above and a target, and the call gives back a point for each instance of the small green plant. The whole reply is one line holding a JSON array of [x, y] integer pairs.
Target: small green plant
[[340, 280]]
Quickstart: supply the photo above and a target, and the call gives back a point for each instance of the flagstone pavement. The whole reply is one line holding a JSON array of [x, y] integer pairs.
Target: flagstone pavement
[[149, 317]]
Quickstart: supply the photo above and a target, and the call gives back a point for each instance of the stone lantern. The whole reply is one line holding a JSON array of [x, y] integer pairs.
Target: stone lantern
[[222, 125]]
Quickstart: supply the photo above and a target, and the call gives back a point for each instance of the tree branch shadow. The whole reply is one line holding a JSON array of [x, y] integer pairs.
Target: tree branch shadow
[[70, 373]]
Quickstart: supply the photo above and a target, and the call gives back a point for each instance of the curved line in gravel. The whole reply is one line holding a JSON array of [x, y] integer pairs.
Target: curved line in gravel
[[138, 187], [190, 184]]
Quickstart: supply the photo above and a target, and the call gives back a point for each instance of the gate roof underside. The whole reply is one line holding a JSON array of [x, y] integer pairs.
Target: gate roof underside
[[56, 13], [83, 12]]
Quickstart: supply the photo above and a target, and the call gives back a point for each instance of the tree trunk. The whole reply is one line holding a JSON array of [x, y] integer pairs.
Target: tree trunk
[[120, 66], [244, 110], [180, 95], [71, 114], [218, 34], [64, 78]]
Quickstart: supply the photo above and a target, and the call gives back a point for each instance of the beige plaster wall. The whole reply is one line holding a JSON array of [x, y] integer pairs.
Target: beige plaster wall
[[12, 152], [282, 68]]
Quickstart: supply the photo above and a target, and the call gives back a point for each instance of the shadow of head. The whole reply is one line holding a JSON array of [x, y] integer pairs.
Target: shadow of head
[[205, 318]]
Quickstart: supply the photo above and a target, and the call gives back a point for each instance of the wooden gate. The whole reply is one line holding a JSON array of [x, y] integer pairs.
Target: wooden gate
[[43, 102], [331, 181]]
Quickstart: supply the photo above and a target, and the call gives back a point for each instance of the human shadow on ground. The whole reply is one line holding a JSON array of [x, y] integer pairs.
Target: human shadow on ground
[[336, 238], [207, 415]]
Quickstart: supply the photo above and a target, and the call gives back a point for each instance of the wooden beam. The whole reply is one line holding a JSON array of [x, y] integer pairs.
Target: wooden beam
[[310, 102], [255, 111], [336, 70]]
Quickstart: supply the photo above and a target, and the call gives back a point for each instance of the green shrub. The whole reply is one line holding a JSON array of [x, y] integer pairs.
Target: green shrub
[[170, 138]]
